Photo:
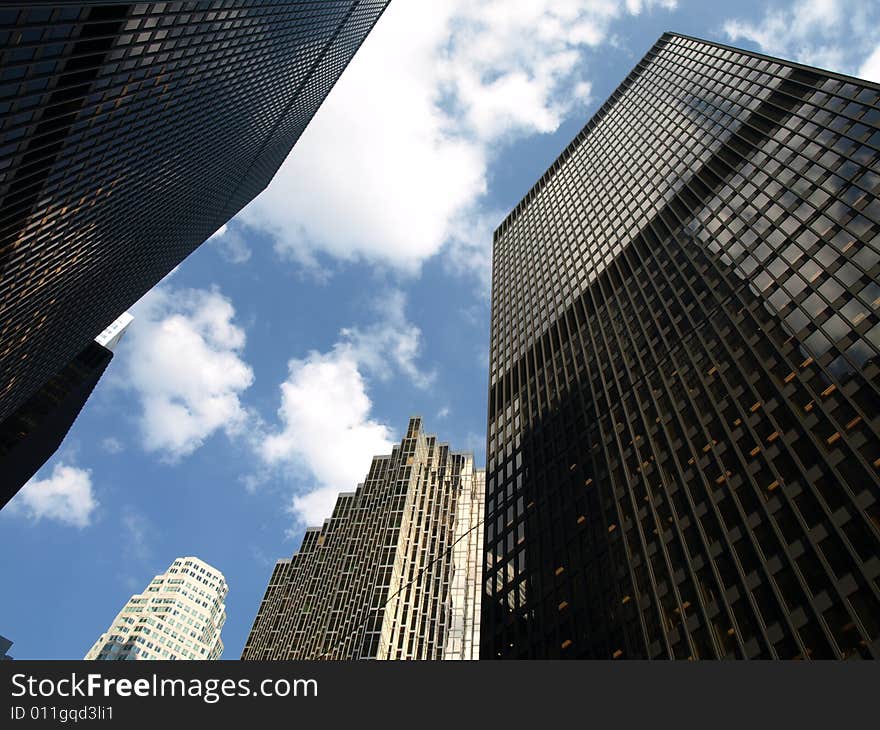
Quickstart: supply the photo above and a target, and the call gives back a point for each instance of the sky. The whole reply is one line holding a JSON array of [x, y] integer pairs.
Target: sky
[[260, 376]]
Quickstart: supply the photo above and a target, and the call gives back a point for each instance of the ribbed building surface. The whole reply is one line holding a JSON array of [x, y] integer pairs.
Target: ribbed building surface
[[393, 574], [684, 423], [179, 616], [129, 133]]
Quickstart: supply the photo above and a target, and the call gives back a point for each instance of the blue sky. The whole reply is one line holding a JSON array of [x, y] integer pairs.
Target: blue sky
[[261, 375]]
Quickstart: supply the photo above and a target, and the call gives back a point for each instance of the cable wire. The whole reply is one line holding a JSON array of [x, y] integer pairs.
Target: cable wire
[[407, 585]]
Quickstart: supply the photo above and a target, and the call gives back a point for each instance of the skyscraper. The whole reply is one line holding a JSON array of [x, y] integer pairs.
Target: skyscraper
[[30, 436], [393, 574], [178, 616], [684, 424], [130, 133], [5, 646]]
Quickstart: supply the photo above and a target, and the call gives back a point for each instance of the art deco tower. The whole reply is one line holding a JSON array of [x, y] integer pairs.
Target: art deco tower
[[684, 422], [178, 616], [393, 574], [129, 133]]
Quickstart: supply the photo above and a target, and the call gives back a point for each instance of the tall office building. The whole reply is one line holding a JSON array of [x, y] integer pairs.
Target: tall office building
[[30, 436], [393, 574], [683, 446], [129, 133], [178, 616]]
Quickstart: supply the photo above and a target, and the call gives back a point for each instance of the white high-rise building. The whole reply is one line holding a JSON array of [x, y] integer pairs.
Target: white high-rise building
[[110, 337], [178, 616]]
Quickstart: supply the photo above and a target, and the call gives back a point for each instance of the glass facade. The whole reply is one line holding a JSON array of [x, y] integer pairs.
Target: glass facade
[[394, 573], [30, 436], [129, 133], [684, 424], [5, 646]]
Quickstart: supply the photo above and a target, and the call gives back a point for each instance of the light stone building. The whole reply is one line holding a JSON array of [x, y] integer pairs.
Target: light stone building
[[178, 616], [394, 573]]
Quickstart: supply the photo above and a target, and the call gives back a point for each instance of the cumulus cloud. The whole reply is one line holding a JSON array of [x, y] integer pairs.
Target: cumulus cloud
[[230, 241], [184, 360], [394, 165], [327, 434], [839, 35], [65, 496]]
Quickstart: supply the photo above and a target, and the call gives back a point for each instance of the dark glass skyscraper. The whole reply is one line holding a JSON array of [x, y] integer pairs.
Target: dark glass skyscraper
[[33, 433], [30, 436], [129, 133], [684, 422], [394, 573], [5, 645]]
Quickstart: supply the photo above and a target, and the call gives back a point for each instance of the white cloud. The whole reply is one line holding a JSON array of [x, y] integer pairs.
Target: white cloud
[[468, 246], [66, 496], [327, 434], [230, 242], [183, 358], [392, 341], [112, 445], [634, 7], [136, 530], [838, 35], [312, 508], [870, 69], [443, 412], [394, 165]]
